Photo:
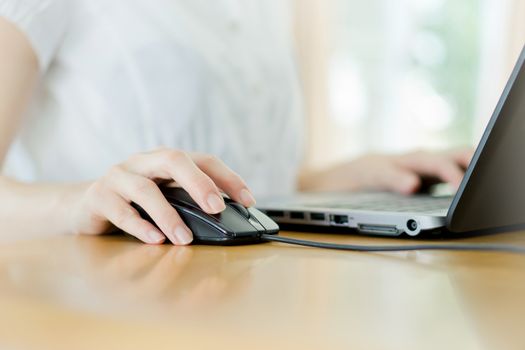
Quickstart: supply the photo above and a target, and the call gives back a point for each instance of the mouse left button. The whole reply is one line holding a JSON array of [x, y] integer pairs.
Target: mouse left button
[[240, 209]]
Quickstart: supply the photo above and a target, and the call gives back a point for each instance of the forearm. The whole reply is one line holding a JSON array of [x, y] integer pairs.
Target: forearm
[[37, 209], [24, 208]]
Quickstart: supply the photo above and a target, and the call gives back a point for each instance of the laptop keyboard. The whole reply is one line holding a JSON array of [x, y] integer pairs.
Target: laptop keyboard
[[390, 202]]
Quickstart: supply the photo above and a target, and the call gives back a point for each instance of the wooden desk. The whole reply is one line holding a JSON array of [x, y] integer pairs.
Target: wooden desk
[[113, 292]]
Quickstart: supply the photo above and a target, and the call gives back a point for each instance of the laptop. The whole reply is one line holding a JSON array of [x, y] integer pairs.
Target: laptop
[[490, 197]]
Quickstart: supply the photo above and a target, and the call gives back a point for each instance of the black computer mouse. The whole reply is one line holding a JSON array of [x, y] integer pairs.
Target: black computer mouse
[[234, 226]]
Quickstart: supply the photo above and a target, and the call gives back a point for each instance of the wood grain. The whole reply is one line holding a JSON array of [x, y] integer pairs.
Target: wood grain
[[112, 292]]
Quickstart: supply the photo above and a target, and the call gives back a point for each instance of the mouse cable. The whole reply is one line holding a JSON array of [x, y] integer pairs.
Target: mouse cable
[[507, 248]]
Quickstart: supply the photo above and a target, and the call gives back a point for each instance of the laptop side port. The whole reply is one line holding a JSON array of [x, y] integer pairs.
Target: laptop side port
[[385, 230], [336, 219], [275, 213], [297, 215], [317, 216]]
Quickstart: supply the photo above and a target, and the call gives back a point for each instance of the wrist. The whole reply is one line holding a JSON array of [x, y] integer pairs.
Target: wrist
[[69, 206]]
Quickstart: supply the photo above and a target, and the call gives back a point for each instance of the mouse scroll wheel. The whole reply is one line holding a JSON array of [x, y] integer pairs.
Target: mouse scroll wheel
[[240, 209]]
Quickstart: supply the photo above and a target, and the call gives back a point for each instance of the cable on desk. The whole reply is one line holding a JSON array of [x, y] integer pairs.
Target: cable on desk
[[507, 248]]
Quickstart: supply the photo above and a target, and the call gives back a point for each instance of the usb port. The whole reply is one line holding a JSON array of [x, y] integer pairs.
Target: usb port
[[275, 213], [339, 219], [317, 216], [296, 215]]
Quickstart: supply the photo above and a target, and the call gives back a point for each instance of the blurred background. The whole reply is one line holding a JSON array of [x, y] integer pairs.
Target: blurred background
[[394, 75]]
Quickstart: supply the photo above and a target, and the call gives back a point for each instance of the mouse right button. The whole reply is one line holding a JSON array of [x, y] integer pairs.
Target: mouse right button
[[268, 224], [236, 223]]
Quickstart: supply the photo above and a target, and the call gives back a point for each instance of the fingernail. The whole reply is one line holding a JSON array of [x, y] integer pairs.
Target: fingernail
[[247, 198], [155, 237], [216, 203], [184, 237]]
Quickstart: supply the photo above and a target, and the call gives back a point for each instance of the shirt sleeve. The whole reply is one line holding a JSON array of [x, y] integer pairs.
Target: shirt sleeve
[[44, 22]]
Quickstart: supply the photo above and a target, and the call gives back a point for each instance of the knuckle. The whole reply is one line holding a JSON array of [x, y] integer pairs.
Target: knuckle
[[175, 156], [114, 171], [124, 216], [135, 158], [170, 217], [96, 190], [210, 159], [203, 185], [203, 182], [143, 186]]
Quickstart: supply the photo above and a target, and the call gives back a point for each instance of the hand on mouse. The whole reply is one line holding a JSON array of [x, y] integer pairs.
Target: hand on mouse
[[398, 173], [105, 204]]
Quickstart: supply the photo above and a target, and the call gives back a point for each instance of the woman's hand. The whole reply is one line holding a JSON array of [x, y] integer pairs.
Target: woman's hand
[[399, 173], [105, 204]]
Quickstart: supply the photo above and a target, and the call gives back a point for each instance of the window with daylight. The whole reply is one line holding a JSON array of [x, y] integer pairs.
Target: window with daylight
[[405, 74]]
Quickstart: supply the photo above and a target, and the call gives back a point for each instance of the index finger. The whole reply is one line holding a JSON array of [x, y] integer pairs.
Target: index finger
[[225, 178], [178, 166]]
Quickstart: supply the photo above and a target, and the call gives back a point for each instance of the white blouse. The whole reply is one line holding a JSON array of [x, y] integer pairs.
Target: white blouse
[[125, 76]]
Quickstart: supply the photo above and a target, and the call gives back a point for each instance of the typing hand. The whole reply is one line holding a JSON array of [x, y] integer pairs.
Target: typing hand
[[404, 174]]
